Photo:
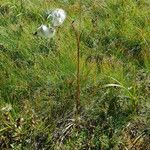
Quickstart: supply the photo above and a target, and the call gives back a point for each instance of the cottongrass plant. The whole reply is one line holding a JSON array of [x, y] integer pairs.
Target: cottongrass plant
[[42, 88], [56, 18], [45, 31]]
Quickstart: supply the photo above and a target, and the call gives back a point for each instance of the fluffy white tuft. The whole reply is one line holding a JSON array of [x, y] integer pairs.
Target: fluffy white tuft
[[45, 31], [57, 17]]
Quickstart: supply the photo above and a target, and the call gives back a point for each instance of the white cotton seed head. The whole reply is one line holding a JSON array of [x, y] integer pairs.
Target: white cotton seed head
[[57, 17], [47, 32]]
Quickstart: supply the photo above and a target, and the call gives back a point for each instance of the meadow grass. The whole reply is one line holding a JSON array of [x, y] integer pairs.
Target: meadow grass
[[38, 76]]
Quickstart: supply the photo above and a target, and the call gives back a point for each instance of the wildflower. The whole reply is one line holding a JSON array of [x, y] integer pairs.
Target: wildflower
[[57, 17], [44, 31]]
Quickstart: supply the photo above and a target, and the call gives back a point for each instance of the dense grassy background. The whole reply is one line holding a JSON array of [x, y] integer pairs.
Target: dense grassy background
[[38, 76]]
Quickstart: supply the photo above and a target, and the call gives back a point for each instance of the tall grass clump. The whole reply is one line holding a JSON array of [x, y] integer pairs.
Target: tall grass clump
[[87, 87]]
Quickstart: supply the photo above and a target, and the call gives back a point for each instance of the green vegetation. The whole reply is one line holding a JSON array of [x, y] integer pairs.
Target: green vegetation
[[38, 76]]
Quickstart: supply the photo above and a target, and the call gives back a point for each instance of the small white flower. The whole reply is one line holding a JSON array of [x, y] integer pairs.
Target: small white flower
[[57, 17], [44, 31]]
